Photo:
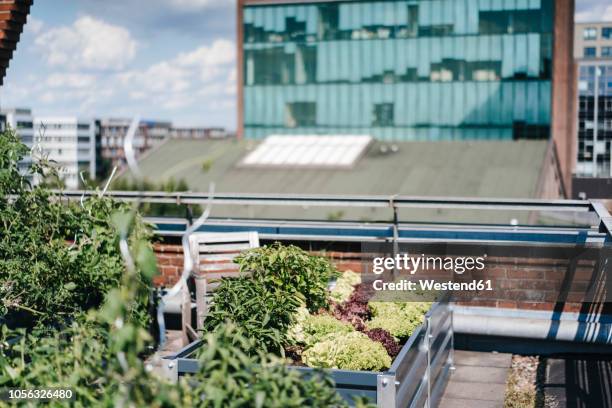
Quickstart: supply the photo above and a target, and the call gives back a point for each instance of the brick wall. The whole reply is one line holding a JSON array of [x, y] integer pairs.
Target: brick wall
[[533, 283], [169, 263]]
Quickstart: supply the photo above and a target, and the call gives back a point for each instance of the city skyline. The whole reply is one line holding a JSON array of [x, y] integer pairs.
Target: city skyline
[[171, 61]]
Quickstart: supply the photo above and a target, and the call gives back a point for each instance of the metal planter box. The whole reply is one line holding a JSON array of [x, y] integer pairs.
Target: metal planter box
[[417, 376]]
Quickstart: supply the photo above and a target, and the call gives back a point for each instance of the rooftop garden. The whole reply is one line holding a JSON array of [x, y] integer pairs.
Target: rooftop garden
[[75, 284]]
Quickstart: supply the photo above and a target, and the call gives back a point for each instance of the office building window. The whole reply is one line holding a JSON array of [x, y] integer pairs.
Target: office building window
[[590, 33], [509, 21], [606, 32], [298, 114], [606, 51], [328, 21], [590, 52], [346, 65], [383, 115]]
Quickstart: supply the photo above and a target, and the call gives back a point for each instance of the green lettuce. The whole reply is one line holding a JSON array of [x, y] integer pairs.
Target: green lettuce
[[348, 351]]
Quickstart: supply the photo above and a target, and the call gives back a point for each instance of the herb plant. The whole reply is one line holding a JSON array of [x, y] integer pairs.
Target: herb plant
[[95, 339], [262, 313], [231, 377], [59, 259], [292, 270]]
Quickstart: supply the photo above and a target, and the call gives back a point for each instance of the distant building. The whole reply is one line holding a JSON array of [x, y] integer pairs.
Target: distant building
[[70, 142], [198, 133], [593, 52], [593, 40], [22, 122], [408, 70], [594, 118], [113, 131]]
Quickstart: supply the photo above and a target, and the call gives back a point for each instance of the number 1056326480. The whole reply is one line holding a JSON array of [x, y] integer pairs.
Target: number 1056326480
[[36, 394]]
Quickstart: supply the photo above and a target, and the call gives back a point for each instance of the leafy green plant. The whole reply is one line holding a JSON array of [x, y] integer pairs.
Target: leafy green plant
[[314, 328], [398, 318], [100, 353], [348, 351], [262, 313], [231, 377], [292, 270], [59, 259], [345, 286]]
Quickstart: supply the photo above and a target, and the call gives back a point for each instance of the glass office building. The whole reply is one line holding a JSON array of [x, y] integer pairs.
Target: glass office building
[[397, 70], [595, 119]]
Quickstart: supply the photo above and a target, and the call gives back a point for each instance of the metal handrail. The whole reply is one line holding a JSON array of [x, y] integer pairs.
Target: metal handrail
[[398, 201], [394, 202]]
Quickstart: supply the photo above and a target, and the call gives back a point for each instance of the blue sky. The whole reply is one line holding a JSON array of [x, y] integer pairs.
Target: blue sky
[[160, 59]]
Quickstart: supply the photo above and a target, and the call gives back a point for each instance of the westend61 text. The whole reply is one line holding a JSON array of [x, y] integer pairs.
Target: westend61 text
[[430, 284]]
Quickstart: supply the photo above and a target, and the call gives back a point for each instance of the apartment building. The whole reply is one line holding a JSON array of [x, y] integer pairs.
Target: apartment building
[[198, 132], [594, 119], [112, 135], [593, 53], [70, 142], [593, 40]]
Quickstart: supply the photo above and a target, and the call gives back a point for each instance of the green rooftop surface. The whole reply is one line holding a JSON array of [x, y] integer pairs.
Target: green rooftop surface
[[503, 169]]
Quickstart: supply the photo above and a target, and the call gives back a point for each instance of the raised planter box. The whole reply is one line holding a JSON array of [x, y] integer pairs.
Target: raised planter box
[[417, 376]]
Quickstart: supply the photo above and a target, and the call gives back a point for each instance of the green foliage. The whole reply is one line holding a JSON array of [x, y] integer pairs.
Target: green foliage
[[100, 353], [59, 259], [291, 270], [207, 165], [231, 377], [313, 328], [345, 286], [295, 334], [398, 318], [348, 351], [262, 313]]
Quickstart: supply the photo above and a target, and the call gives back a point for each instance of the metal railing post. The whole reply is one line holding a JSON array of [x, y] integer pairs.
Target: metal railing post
[[451, 354], [189, 214], [385, 391], [395, 233], [428, 337]]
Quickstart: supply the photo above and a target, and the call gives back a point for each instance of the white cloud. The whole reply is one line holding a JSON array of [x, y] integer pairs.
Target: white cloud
[[34, 25], [196, 87], [70, 80], [89, 43], [596, 13], [186, 79]]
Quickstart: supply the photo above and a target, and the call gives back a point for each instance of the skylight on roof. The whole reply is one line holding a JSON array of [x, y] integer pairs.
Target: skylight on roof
[[308, 151]]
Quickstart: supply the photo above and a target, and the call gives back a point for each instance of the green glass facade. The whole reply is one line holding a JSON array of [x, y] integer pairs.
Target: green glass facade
[[399, 70]]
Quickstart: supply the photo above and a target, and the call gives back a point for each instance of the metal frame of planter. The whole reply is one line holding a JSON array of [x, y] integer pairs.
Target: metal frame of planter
[[417, 376]]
